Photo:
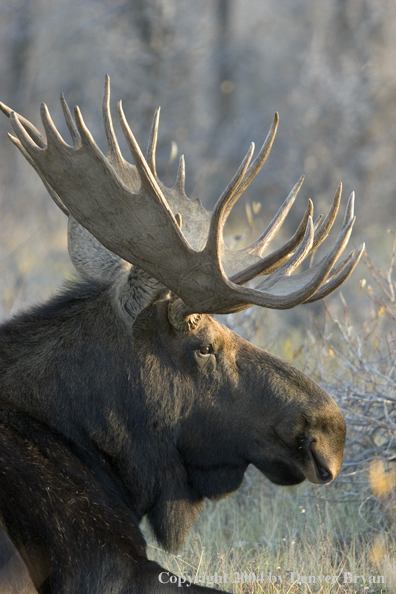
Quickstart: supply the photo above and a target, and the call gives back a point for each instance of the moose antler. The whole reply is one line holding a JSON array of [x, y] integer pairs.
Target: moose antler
[[174, 239]]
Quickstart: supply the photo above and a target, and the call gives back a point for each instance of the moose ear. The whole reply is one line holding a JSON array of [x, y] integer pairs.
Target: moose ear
[[134, 289], [89, 257]]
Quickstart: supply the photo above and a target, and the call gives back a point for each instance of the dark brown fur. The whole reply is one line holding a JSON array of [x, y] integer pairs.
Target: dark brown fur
[[103, 423]]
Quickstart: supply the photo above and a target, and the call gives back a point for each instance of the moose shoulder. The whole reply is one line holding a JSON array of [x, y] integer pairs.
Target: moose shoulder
[[121, 397]]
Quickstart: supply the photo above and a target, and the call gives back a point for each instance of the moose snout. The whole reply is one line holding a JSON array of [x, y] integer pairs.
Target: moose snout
[[324, 461]]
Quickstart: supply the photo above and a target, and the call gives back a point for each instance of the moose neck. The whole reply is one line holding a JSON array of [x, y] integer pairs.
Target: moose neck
[[78, 374]]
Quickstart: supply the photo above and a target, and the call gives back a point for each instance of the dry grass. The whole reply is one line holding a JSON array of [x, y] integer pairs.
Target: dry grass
[[306, 530]]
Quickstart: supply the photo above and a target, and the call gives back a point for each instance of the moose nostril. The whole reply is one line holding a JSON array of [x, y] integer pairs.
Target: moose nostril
[[324, 473]]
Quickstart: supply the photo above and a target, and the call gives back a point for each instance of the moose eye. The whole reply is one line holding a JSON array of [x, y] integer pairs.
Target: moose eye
[[205, 351]]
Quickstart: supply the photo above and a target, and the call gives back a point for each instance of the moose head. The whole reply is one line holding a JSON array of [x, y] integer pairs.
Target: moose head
[[128, 375]]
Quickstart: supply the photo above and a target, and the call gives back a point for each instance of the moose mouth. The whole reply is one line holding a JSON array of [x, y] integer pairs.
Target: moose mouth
[[285, 473], [312, 467]]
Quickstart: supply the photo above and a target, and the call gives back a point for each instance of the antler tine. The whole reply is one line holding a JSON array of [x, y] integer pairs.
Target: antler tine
[[284, 292], [38, 139], [338, 266], [263, 241], [273, 261], [51, 133], [349, 216], [276, 259], [74, 133], [112, 143], [85, 251], [240, 182], [181, 175], [85, 134], [152, 142], [283, 296], [306, 287], [30, 129], [260, 159], [224, 205], [146, 176], [350, 209], [339, 246], [25, 139], [229, 197], [326, 224], [295, 260], [317, 222], [345, 270], [235, 188], [263, 154], [31, 162]]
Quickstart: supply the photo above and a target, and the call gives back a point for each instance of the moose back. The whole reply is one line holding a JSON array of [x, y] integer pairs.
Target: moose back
[[122, 397]]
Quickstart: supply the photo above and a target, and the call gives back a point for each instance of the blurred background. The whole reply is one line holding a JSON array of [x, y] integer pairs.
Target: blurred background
[[220, 69]]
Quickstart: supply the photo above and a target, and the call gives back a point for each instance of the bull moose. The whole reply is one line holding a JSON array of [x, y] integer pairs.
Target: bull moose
[[121, 397]]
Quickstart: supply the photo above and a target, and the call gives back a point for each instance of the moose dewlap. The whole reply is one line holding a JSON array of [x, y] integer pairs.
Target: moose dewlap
[[121, 397]]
